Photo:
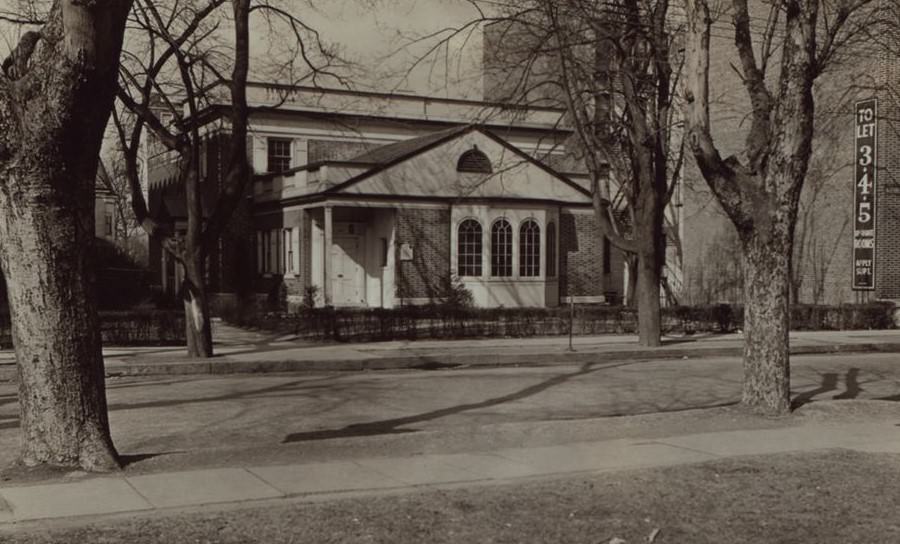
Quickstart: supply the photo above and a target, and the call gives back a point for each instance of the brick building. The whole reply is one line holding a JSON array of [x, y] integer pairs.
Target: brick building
[[823, 263], [379, 200]]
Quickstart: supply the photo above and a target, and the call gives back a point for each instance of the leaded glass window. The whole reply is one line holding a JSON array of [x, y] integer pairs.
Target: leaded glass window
[[468, 248], [501, 249]]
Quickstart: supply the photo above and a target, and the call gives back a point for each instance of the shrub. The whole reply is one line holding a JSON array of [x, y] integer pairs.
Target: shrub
[[456, 295], [874, 315], [456, 321], [126, 328]]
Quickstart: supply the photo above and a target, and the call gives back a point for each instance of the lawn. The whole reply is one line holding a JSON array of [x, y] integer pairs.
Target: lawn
[[823, 498]]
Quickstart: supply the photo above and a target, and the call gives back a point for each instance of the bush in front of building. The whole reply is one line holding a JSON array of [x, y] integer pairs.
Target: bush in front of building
[[144, 327], [447, 321], [873, 315]]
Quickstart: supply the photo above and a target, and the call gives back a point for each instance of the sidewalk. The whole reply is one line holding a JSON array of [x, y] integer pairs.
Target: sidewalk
[[250, 351], [161, 491]]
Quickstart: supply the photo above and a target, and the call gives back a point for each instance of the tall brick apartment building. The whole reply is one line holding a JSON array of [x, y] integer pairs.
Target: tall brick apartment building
[[379, 200], [703, 255], [823, 262]]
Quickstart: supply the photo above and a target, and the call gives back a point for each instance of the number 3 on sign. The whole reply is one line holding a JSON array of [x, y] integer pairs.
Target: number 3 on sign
[[865, 158], [865, 214], [864, 184]]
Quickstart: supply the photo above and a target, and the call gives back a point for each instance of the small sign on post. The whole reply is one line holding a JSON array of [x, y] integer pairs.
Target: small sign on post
[[864, 194]]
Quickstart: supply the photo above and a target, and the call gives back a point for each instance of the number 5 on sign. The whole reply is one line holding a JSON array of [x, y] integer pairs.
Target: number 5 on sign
[[864, 184], [865, 212]]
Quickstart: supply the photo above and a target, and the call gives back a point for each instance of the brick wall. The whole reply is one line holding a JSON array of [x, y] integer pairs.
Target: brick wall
[[823, 234], [581, 256], [427, 231], [887, 243]]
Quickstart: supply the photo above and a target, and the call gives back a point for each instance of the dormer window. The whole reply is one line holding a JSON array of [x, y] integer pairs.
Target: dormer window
[[474, 161]]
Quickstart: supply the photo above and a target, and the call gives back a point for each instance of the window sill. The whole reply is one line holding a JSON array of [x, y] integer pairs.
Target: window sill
[[483, 279]]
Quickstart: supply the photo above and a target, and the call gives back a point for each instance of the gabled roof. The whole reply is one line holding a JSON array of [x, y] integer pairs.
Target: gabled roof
[[387, 156], [407, 148]]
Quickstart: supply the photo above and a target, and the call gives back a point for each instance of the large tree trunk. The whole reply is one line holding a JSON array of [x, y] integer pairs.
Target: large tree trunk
[[56, 94], [198, 329], [45, 255], [649, 330], [767, 375], [649, 257]]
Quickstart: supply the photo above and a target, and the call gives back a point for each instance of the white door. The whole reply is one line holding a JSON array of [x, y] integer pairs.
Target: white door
[[347, 271]]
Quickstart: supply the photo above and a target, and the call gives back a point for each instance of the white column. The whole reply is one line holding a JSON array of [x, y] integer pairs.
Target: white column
[[326, 258]]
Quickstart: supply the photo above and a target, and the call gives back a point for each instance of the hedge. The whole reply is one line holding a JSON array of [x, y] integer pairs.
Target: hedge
[[127, 328], [422, 322]]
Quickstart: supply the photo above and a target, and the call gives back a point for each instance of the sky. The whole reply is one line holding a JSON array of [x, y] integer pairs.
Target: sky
[[379, 36]]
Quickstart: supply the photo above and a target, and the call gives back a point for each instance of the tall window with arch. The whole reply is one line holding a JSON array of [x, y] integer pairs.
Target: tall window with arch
[[551, 250], [529, 249], [468, 249], [501, 249]]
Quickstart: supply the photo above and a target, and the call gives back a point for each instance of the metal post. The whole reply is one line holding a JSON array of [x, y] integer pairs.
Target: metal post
[[571, 321]]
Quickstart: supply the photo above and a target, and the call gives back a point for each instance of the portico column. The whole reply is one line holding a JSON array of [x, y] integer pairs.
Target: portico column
[[164, 276], [326, 259]]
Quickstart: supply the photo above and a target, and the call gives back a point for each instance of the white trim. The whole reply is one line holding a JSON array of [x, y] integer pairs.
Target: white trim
[[593, 299], [297, 247], [353, 204]]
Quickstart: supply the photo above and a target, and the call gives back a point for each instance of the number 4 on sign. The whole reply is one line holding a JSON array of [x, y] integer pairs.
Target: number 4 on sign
[[864, 184]]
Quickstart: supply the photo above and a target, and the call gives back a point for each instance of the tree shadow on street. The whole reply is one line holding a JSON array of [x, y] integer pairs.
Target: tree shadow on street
[[393, 425], [133, 458], [852, 389]]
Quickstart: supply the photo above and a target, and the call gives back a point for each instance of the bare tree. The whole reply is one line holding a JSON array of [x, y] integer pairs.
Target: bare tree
[[127, 234], [760, 191], [614, 68], [179, 73], [619, 96], [56, 93], [173, 38]]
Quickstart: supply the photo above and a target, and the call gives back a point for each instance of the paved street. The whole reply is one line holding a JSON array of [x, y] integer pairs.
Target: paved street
[[167, 419]]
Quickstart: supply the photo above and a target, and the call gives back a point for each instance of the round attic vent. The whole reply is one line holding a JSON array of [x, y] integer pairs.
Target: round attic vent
[[474, 161]]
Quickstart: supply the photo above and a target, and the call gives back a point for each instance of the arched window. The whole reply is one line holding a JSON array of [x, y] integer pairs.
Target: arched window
[[529, 249], [474, 161], [468, 248], [551, 250], [501, 249]]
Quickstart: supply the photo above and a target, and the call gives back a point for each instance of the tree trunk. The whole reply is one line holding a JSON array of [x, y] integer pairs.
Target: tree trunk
[[46, 253], [766, 386], [198, 329], [56, 94], [631, 287], [648, 300]]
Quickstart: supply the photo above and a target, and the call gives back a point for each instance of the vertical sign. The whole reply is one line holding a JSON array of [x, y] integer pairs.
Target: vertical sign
[[864, 195]]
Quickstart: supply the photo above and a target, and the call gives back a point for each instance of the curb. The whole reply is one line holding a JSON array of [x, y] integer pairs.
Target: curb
[[224, 365], [450, 361]]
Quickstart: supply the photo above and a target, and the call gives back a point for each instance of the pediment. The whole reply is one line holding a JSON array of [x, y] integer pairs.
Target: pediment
[[433, 172]]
